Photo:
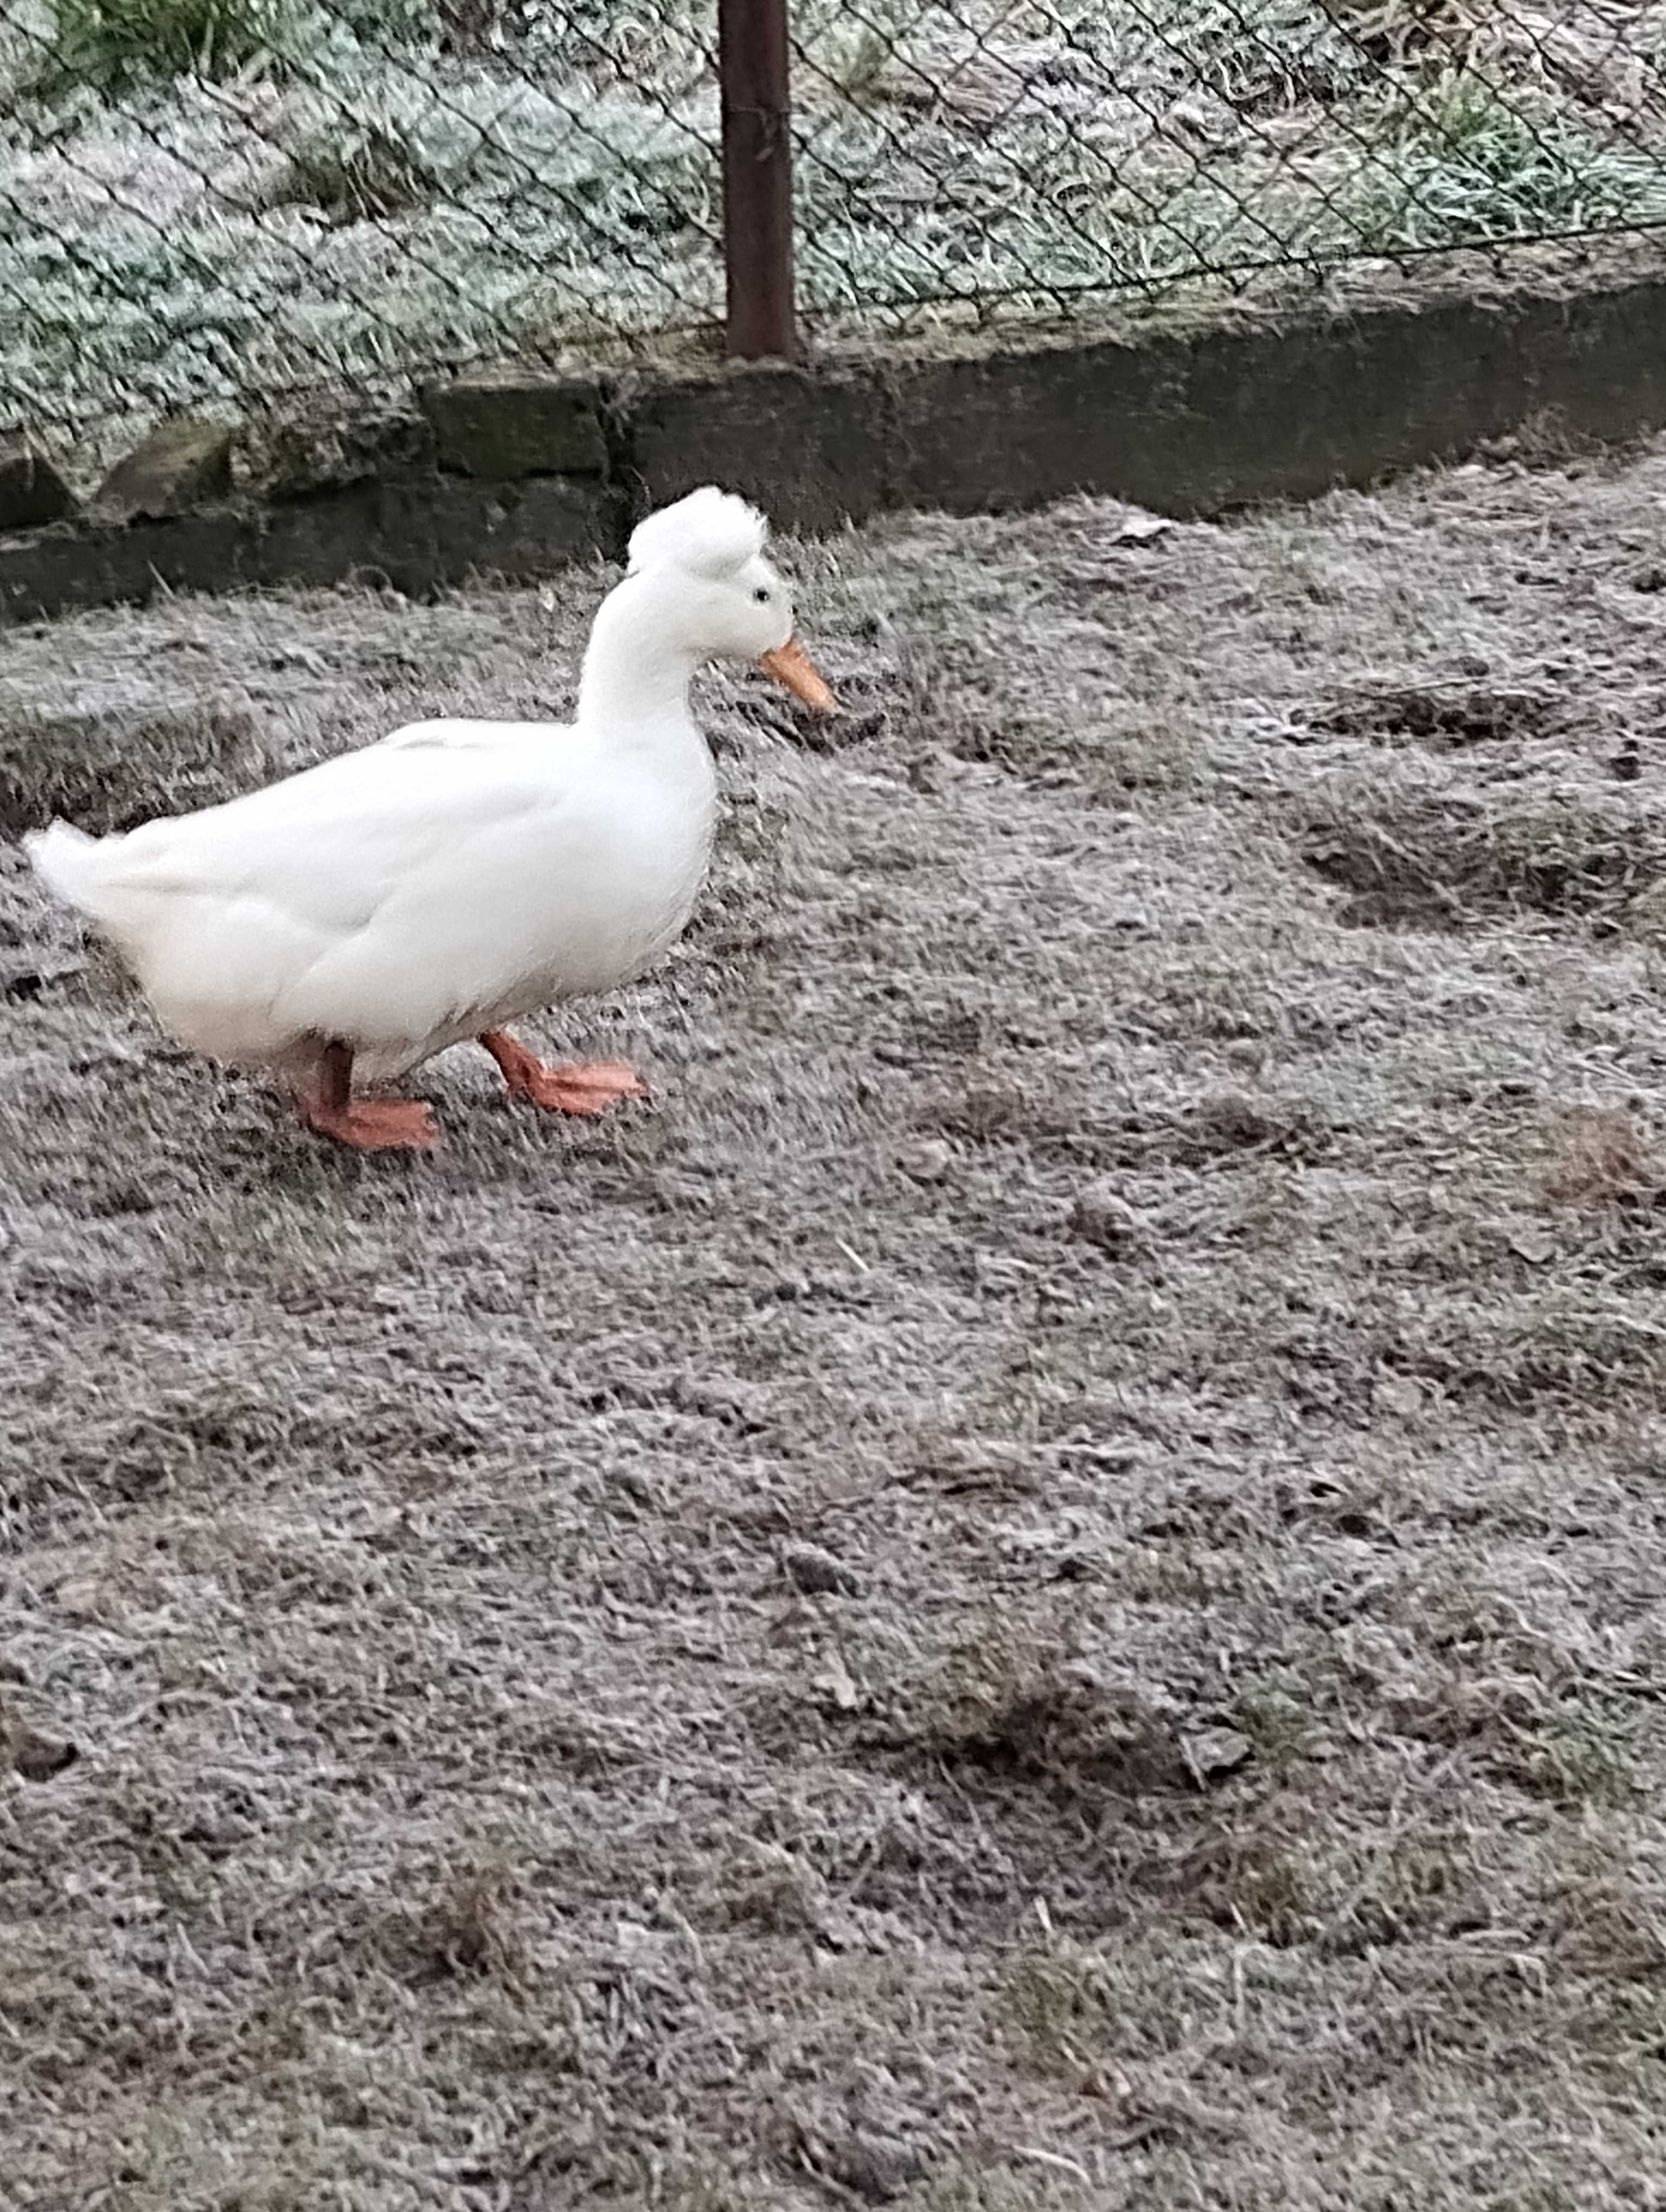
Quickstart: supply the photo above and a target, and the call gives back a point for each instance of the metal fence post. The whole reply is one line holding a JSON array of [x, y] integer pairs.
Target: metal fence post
[[755, 70]]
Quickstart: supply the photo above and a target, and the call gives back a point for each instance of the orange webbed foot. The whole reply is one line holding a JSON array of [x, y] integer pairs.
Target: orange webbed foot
[[587, 1088], [374, 1125]]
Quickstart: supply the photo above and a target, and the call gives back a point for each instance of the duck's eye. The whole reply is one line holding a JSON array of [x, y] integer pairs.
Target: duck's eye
[[762, 595]]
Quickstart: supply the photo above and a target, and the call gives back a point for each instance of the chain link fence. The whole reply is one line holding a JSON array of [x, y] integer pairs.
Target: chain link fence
[[209, 201], [973, 152]]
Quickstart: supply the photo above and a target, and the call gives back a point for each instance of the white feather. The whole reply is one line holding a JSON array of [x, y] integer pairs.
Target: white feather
[[69, 862], [710, 533]]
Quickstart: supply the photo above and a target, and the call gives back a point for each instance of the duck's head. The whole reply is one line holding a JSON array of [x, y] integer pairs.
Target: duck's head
[[717, 596]]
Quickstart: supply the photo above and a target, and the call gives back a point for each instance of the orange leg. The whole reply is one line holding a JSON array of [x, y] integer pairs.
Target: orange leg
[[368, 1125], [585, 1089]]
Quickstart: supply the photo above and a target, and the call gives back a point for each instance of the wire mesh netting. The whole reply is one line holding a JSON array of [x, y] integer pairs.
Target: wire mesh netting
[[210, 201], [973, 151]]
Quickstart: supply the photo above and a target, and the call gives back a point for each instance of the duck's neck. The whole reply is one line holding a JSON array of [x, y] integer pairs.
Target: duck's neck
[[634, 682]]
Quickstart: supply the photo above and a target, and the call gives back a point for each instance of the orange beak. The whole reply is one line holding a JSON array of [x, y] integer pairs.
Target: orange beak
[[791, 665]]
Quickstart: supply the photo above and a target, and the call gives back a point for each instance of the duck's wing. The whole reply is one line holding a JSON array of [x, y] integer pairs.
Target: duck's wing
[[454, 736], [326, 848]]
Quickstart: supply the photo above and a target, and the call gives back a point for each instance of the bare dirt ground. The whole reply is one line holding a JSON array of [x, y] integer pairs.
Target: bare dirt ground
[[1041, 1587]]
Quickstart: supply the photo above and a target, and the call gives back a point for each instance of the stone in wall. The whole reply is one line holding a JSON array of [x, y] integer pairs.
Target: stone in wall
[[181, 465], [32, 492]]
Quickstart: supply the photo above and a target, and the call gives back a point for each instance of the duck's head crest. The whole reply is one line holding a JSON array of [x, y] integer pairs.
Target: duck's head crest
[[711, 534]]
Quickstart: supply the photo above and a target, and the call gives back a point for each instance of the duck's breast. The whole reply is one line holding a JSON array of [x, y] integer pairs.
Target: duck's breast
[[614, 891]]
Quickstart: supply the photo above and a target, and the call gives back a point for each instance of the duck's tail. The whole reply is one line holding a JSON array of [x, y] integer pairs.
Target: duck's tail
[[70, 863]]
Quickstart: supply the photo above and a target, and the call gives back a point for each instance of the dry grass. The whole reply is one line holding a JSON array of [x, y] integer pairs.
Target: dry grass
[[1037, 1589]]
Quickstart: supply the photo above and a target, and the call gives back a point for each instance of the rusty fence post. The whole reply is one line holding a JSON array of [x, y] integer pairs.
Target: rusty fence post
[[754, 67]]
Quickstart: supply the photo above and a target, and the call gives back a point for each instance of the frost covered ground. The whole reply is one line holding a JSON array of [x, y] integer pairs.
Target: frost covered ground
[[1041, 1586]]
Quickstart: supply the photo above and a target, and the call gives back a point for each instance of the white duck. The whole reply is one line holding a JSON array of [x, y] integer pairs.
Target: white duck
[[373, 910]]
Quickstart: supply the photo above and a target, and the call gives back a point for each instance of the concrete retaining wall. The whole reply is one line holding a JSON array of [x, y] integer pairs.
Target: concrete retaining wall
[[515, 472]]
